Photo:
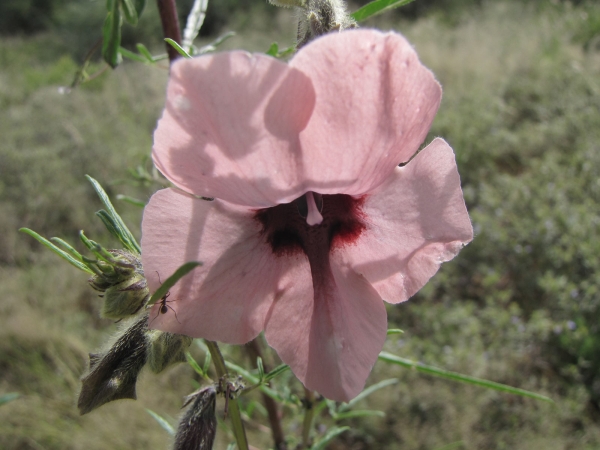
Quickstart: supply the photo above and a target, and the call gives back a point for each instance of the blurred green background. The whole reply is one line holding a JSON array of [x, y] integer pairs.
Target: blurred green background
[[520, 305]]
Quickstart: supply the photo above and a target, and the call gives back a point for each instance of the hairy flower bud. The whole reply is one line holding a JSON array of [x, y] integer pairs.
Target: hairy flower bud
[[125, 298], [198, 425], [321, 17], [165, 349], [113, 374], [122, 284]]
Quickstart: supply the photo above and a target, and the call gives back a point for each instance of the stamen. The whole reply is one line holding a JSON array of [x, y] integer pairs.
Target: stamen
[[313, 217]]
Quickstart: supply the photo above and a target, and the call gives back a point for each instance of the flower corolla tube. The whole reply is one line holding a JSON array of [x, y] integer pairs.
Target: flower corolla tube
[[313, 222]]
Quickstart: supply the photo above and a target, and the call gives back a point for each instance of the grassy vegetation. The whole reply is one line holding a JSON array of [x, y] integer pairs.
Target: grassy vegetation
[[520, 305]]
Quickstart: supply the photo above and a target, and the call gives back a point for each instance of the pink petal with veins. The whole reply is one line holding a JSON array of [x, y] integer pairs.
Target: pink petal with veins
[[228, 297], [331, 332], [374, 105], [230, 128], [415, 221]]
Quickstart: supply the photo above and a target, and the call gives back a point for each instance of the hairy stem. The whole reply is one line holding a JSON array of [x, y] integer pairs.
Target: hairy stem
[[170, 25], [255, 351], [234, 410]]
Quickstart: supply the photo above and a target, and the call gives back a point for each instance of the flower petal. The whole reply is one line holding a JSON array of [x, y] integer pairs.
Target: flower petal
[[415, 221], [375, 104], [329, 334], [230, 128], [228, 297]]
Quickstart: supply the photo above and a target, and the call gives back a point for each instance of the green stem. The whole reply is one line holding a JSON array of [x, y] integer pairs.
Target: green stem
[[309, 417], [234, 410]]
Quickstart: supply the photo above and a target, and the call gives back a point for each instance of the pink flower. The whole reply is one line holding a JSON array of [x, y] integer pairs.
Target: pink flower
[[313, 222]]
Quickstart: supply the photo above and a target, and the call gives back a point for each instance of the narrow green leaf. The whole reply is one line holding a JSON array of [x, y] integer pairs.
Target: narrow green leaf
[[129, 11], [377, 7], [131, 200], [207, 361], [392, 331], [80, 265], [254, 380], [111, 34], [5, 398], [364, 394], [133, 56], [232, 446], [170, 282], [358, 413], [162, 422], [330, 436], [145, 52], [128, 240], [192, 362], [276, 371], [177, 47], [393, 359], [214, 44], [110, 224], [74, 253], [261, 368]]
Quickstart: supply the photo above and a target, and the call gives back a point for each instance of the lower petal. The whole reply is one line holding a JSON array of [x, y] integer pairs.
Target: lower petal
[[228, 297], [329, 334]]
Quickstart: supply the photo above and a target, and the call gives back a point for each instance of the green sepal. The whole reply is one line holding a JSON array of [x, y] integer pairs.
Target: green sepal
[[111, 34]]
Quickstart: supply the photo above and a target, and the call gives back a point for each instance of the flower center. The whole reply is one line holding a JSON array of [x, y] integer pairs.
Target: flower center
[[313, 224]]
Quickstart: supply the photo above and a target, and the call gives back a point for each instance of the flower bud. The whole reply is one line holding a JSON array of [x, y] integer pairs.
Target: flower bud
[[198, 426], [125, 298], [122, 284], [321, 17], [113, 374], [165, 349]]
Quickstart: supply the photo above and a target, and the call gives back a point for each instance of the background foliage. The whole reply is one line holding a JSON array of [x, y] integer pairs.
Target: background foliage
[[520, 305]]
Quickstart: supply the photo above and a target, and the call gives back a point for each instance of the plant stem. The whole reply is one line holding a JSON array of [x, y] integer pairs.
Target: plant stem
[[234, 410], [170, 25], [309, 416], [255, 351]]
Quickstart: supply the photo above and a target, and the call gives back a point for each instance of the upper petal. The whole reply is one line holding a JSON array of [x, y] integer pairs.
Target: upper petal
[[374, 105], [228, 297], [415, 221], [329, 329], [230, 127]]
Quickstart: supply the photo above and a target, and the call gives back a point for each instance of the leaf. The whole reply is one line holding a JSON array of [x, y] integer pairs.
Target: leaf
[[364, 394], [4, 399], [80, 265], [111, 34], [393, 331], [393, 359], [145, 52], [129, 11], [133, 56], [194, 364], [194, 23], [125, 235], [177, 47], [273, 50], [140, 5], [162, 422], [359, 413], [330, 436], [276, 371], [131, 200], [170, 282], [377, 7]]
